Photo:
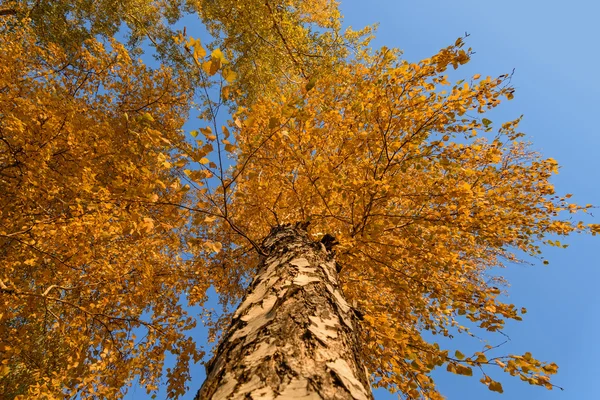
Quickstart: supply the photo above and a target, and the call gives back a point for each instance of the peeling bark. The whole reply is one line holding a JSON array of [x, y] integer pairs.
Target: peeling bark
[[294, 336]]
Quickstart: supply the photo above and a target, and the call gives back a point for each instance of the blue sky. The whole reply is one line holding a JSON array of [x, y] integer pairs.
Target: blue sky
[[553, 48]]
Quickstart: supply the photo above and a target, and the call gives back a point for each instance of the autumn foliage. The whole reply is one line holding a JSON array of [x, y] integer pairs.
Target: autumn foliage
[[91, 264], [111, 217], [422, 197]]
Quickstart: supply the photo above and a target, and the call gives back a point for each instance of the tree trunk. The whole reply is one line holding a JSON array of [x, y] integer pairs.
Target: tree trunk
[[294, 335]]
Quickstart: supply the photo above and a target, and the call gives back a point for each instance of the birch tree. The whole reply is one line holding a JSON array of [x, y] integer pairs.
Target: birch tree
[[350, 203]]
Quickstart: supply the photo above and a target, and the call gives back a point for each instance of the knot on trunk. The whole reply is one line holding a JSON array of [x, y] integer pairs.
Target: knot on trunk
[[329, 241]]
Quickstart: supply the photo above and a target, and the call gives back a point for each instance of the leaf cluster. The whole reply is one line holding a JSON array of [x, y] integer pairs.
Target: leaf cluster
[[91, 252]]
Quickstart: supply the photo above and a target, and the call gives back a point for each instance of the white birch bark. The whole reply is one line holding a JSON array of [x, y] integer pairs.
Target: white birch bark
[[293, 336]]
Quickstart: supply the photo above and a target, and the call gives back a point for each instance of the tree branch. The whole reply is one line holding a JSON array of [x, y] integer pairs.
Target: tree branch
[[8, 11]]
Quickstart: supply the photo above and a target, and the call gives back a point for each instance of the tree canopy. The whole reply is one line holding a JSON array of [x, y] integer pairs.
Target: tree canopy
[[113, 217]]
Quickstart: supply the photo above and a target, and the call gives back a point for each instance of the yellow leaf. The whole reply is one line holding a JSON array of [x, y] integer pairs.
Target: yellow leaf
[[193, 42], [225, 131], [463, 370], [211, 67], [465, 186], [208, 133], [225, 91], [30, 262], [147, 117], [217, 54], [228, 75], [249, 122], [496, 387], [148, 224], [204, 160], [199, 51], [311, 83], [273, 122], [178, 38], [210, 218], [215, 247], [481, 357]]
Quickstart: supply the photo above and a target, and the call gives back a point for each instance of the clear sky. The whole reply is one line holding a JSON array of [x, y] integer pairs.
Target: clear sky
[[553, 47]]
